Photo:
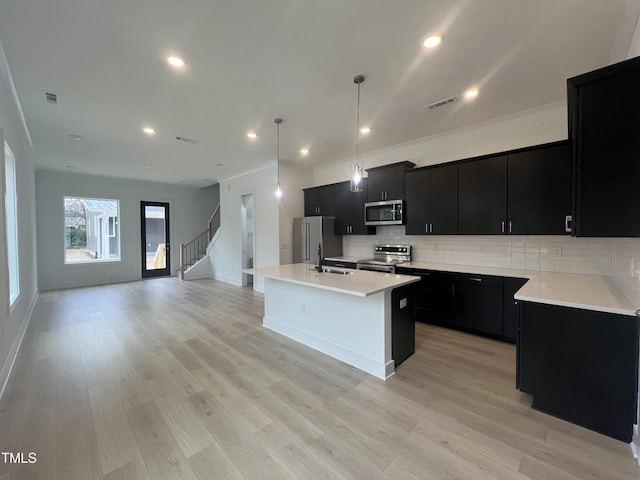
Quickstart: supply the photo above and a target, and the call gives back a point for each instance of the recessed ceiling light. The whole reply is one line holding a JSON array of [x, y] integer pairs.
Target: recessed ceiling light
[[304, 151], [365, 130], [147, 166], [471, 93], [252, 135], [176, 61], [432, 41], [219, 164], [76, 137], [149, 130]]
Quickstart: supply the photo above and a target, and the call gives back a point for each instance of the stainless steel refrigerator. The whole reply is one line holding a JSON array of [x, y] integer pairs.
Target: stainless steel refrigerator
[[308, 233]]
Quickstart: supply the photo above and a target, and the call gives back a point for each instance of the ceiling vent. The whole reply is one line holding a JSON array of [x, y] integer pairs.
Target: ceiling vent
[[185, 139], [51, 97], [441, 103]]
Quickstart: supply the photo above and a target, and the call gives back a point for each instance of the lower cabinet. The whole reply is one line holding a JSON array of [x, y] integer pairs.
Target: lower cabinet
[[403, 327], [580, 365], [478, 303], [481, 304], [511, 308]]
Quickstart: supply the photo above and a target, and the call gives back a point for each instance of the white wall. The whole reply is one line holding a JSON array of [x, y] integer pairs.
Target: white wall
[[273, 221], [13, 320], [532, 127], [293, 179], [189, 213], [227, 251]]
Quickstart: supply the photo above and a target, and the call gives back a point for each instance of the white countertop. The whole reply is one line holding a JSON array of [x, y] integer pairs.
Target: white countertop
[[361, 283], [589, 292]]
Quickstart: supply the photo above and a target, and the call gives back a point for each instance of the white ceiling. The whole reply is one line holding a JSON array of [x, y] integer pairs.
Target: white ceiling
[[250, 61]]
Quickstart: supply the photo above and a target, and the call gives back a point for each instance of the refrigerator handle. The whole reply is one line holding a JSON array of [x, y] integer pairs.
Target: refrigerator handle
[[303, 235]]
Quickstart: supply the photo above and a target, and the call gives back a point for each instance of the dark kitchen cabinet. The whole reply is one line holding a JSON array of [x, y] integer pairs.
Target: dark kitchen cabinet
[[580, 365], [349, 208], [539, 191], [432, 295], [319, 201], [431, 200], [604, 121], [482, 196], [478, 303], [387, 182], [403, 328], [511, 308]]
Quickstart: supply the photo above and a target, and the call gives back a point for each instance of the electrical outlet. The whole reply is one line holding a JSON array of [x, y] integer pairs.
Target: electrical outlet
[[303, 308]]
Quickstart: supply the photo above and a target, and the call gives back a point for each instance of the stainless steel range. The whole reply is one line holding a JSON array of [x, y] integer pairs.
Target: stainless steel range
[[385, 258]]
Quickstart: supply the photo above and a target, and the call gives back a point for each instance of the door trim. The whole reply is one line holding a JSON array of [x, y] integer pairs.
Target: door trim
[[161, 272]]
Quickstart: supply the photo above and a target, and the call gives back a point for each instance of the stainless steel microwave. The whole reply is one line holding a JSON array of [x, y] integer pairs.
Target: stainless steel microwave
[[387, 212]]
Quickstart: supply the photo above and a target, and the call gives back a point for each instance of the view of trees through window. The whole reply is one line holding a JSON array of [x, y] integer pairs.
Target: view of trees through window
[[92, 230]]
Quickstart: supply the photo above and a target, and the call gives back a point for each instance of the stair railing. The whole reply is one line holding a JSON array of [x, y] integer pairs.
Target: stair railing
[[191, 252]]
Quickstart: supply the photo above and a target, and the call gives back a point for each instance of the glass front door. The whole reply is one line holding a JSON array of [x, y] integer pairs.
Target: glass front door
[[156, 258]]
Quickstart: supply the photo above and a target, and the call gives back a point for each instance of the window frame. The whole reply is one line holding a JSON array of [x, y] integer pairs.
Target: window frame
[[10, 191], [94, 223]]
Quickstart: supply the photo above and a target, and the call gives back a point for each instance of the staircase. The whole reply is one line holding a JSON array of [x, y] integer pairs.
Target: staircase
[[196, 250]]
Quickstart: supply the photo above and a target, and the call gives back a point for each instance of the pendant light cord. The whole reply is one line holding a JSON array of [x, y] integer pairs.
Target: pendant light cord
[[358, 126]]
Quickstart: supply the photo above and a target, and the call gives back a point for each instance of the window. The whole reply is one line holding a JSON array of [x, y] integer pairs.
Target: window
[[11, 207], [92, 232]]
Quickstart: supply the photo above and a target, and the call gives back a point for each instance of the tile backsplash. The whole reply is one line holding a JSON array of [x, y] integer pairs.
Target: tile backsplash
[[617, 257]]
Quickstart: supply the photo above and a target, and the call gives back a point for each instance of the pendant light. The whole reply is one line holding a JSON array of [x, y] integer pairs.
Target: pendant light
[[356, 169], [278, 192]]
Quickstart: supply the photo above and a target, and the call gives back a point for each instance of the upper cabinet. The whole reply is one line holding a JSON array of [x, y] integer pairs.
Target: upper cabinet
[[482, 196], [387, 182], [539, 191], [431, 196], [349, 208], [604, 121], [319, 201]]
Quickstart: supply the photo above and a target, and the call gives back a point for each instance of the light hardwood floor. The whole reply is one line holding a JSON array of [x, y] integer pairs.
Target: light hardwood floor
[[163, 379]]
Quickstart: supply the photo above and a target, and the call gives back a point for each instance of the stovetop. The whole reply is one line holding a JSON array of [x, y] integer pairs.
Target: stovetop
[[389, 255]]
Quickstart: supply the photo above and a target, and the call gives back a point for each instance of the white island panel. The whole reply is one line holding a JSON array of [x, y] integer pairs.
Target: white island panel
[[353, 329]]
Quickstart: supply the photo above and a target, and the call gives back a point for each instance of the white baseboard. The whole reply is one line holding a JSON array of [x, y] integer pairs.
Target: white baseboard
[[15, 346], [231, 280], [377, 369]]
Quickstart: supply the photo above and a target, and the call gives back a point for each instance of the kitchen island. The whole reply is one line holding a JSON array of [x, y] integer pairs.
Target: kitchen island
[[346, 314]]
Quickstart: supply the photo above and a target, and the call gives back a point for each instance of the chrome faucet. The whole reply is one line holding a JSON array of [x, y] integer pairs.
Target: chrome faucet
[[319, 266]]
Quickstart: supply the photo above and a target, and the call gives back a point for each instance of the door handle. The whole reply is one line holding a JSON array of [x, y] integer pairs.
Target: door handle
[[568, 220]]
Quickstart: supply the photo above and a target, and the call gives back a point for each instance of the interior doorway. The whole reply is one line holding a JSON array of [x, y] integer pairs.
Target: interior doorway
[[155, 244], [248, 236]]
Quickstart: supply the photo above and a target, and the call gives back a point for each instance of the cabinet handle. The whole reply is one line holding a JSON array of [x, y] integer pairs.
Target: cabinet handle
[[475, 279], [502, 227], [453, 290], [509, 226], [426, 228], [431, 228], [567, 223]]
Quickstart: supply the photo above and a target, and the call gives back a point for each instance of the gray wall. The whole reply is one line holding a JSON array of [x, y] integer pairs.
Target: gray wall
[[189, 213], [13, 320]]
